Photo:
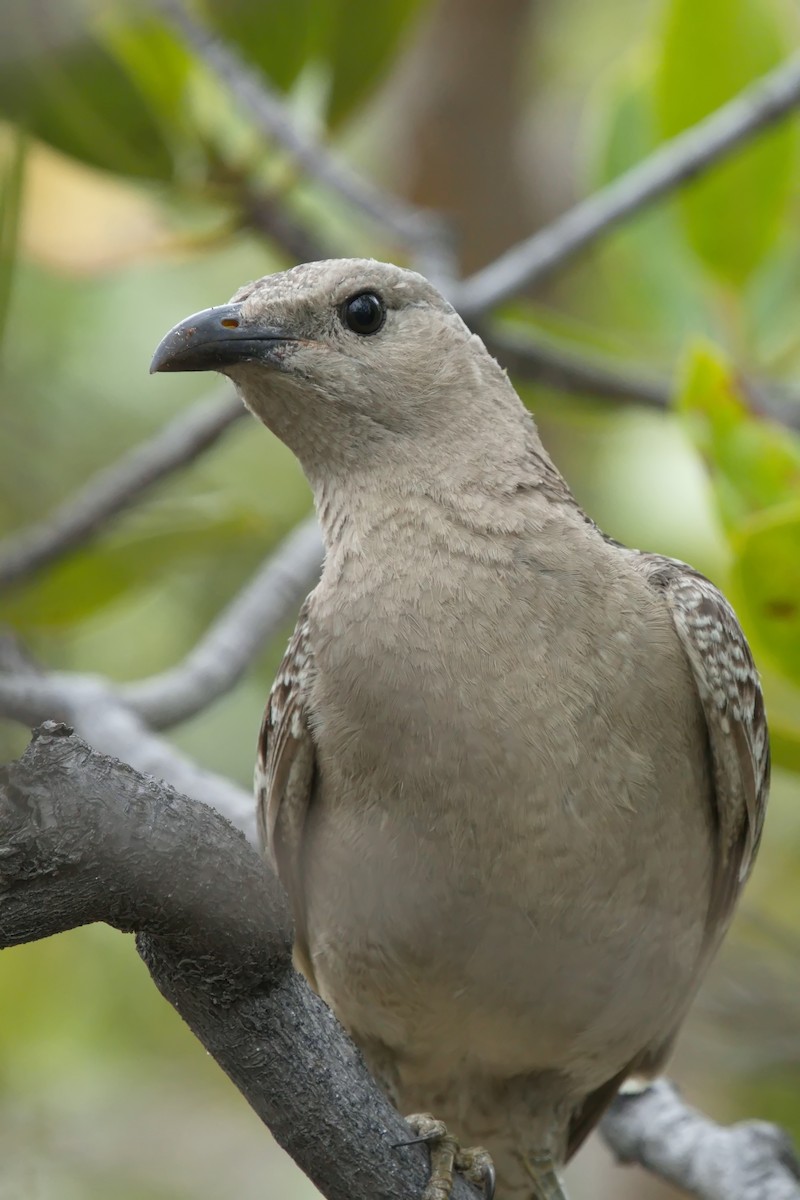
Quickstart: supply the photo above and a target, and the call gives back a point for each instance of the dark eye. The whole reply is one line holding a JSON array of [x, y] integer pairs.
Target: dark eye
[[364, 313]]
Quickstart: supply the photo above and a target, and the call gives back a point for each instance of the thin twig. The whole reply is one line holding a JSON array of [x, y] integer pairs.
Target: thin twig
[[229, 647], [117, 487], [422, 231], [538, 362], [685, 157]]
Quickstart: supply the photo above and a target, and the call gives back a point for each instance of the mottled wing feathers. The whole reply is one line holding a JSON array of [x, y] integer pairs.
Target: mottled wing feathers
[[730, 695], [286, 763]]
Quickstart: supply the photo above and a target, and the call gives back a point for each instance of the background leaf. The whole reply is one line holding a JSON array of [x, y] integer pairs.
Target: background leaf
[[279, 37], [754, 463], [71, 91], [12, 168], [710, 50], [766, 575], [361, 48]]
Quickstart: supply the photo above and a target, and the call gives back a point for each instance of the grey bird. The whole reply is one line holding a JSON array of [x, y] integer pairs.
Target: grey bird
[[512, 774]]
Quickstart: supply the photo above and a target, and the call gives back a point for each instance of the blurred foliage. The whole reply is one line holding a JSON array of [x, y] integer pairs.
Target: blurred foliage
[[12, 163], [126, 184], [296, 34], [709, 52]]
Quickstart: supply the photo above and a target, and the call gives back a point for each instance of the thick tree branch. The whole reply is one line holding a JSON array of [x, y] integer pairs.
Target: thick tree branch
[[84, 838], [117, 487], [685, 157], [228, 648], [422, 232]]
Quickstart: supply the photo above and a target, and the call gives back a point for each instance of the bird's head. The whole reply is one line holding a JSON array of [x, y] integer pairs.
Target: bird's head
[[346, 360]]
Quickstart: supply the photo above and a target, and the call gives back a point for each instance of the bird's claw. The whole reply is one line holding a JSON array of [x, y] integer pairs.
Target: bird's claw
[[474, 1163]]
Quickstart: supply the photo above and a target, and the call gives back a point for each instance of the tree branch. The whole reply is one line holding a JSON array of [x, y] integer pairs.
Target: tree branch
[[119, 719], [95, 710], [84, 838], [117, 487], [537, 361], [685, 157], [423, 232], [749, 1161], [227, 650]]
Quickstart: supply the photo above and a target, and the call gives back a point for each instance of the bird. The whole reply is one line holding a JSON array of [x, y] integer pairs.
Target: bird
[[512, 774]]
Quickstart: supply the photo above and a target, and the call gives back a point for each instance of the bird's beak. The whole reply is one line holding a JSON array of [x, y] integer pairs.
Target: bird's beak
[[214, 339]]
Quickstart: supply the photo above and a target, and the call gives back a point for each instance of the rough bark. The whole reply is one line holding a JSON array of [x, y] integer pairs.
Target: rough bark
[[85, 838]]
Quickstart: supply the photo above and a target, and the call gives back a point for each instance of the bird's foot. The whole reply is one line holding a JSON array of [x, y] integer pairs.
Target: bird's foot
[[546, 1180], [475, 1164]]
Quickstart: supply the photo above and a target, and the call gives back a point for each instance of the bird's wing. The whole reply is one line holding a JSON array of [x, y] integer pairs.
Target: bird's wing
[[286, 764], [730, 695]]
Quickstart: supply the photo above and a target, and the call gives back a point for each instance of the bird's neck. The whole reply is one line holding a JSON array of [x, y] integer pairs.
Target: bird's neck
[[473, 500]]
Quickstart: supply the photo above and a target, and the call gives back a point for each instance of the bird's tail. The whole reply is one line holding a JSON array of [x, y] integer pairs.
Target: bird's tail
[[546, 1180]]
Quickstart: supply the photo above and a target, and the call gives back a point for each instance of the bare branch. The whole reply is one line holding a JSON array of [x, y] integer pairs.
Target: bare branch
[[228, 648], [423, 232], [749, 1161], [84, 838], [93, 708], [538, 362], [117, 487], [685, 157]]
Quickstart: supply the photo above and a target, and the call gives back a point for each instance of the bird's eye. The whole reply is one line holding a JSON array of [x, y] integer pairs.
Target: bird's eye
[[364, 313]]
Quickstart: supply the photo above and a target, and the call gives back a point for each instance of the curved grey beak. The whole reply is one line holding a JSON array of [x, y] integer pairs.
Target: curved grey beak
[[214, 339]]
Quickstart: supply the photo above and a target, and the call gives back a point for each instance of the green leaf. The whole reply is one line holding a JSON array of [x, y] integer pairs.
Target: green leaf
[[766, 581], [712, 49], [12, 170], [279, 38], [74, 94], [361, 48], [160, 67], [352, 46], [784, 739], [657, 295], [754, 463], [620, 117]]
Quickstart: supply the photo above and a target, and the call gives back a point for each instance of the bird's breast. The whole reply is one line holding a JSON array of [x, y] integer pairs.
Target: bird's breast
[[504, 793]]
